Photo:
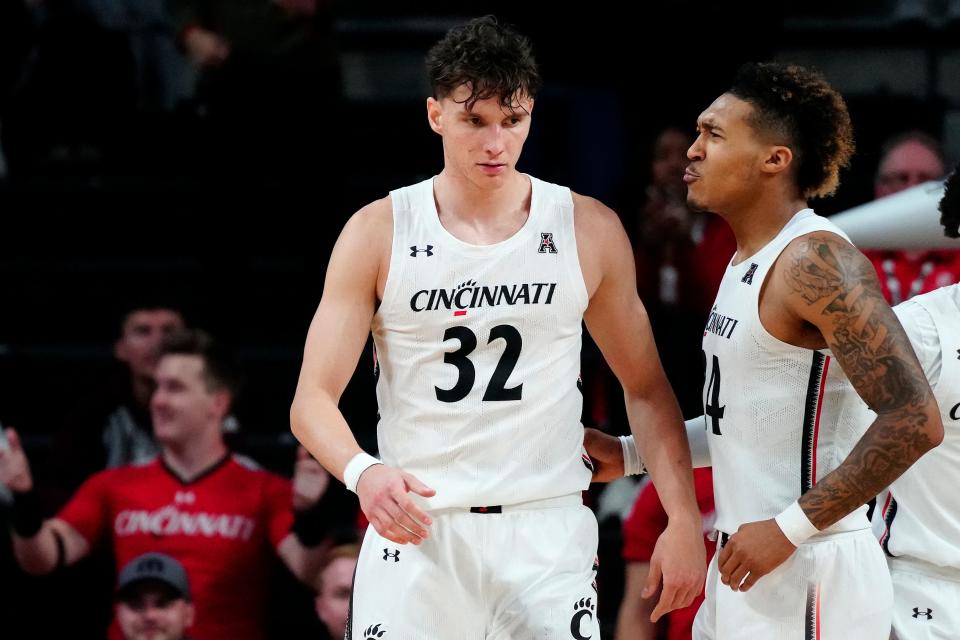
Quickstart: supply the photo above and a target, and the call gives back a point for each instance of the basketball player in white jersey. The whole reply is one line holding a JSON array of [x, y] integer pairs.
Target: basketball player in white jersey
[[918, 521], [792, 464], [475, 284]]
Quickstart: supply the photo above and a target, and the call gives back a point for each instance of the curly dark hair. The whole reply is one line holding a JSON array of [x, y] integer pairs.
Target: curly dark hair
[[800, 107], [950, 205], [492, 59]]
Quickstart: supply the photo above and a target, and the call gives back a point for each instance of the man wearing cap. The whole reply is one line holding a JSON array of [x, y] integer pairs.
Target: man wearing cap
[[153, 599]]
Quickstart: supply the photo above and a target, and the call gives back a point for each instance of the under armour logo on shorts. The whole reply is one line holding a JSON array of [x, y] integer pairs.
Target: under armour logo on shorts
[[928, 614], [395, 555]]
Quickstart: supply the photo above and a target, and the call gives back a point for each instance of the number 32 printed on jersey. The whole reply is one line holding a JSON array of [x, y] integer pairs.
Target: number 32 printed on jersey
[[496, 389]]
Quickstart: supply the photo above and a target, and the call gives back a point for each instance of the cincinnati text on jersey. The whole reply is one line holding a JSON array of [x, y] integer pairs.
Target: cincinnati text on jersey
[[170, 521], [720, 324], [470, 295]]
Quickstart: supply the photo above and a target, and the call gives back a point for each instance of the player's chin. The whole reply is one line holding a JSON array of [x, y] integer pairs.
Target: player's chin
[[696, 202]]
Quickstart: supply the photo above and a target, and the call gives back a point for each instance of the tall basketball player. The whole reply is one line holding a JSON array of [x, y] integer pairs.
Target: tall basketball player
[[474, 284]]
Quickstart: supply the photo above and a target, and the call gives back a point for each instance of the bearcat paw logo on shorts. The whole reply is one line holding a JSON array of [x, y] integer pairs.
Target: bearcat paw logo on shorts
[[583, 608], [373, 632]]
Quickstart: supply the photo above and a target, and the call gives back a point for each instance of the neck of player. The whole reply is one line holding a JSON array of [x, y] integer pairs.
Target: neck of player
[[759, 222], [480, 204]]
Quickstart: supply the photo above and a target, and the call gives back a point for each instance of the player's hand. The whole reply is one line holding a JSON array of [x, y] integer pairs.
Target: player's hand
[[606, 453], [310, 481], [385, 500], [756, 549], [14, 468], [680, 560]]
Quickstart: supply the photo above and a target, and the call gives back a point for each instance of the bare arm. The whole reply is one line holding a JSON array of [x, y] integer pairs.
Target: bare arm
[[633, 619], [608, 456], [618, 323], [39, 555], [834, 288], [304, 562], [335, 340]]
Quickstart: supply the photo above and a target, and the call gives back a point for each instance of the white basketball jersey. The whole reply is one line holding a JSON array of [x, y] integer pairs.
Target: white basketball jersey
[[479, 355], [778, 417], [921, 519]]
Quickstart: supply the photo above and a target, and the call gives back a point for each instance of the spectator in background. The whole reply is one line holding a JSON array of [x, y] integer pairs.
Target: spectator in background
[[640, 531], [114, 428], [907, 160], [153, 599], [334, 588], [219, 514]]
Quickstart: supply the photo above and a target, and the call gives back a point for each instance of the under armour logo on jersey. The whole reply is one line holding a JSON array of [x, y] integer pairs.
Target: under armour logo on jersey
[[748, 276], [546, 243], [582, 609], [373, 632], [185, 497], [928, 614], [414, 251], [395, 555]]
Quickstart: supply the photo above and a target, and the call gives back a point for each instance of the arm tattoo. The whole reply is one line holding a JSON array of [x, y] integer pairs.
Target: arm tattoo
[[873, 350]]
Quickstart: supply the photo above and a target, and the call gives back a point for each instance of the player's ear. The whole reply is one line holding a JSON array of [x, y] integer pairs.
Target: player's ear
[[435, 115], [778, 158]]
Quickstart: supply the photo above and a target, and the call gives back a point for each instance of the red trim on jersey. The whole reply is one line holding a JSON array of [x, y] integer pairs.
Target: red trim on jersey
[[816, 422], [818, 612], [883, 514]]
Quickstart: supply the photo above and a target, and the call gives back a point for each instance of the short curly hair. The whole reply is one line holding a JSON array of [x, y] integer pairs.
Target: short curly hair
[[950, 205], [800, 107], [491, 58]]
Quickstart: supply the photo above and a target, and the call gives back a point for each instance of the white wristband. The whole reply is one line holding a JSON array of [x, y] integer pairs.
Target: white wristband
[[632, 464], [357, 465], [795, 524]]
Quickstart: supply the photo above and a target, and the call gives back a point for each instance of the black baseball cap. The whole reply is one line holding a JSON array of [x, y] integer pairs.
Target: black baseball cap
[[153, 567]]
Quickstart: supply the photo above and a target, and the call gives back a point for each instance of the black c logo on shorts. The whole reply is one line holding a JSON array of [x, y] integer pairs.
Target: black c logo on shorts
[[575, 624]]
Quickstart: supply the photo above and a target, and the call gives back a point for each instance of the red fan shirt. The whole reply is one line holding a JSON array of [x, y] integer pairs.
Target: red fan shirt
[[223, 526]]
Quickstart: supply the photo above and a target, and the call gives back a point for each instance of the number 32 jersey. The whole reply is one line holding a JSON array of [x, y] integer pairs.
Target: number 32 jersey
[[478, 355], [778, 417]]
